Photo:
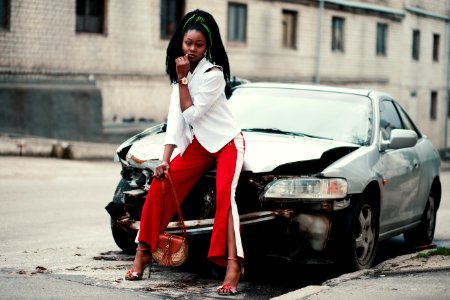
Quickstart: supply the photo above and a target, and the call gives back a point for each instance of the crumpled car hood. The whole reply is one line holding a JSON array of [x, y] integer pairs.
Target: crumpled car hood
[[264, 152]]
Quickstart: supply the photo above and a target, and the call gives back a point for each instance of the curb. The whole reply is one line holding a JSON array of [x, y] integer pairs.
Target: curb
[[379, 270], [317, 289], [32, 146], [301, 293], [384, 268], [412, 271]]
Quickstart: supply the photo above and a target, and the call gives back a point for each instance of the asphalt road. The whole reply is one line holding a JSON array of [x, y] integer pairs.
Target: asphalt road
[[56, 241]]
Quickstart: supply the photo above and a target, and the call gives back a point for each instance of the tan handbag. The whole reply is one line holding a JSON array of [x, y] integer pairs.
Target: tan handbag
[[172, 250]]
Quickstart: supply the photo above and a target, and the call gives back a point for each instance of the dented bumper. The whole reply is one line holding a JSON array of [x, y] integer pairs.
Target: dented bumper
[[314, 229]]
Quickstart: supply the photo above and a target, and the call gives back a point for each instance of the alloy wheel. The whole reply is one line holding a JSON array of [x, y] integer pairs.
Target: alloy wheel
[[365, 235]]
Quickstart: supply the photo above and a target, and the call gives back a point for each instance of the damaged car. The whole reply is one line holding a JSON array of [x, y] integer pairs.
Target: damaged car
[[328, 173]]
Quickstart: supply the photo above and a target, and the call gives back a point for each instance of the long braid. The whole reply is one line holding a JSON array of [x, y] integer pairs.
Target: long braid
[[208, 26]]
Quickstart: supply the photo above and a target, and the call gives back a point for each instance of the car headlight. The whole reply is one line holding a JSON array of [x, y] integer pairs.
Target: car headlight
[[305, 189]]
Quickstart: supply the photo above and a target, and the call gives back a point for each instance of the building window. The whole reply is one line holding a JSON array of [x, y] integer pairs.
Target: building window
[[237, 22], [172, 12], [448, 104], [436, 39], [337, 39], [4, 14], [381, 39], [433, 105], [289, 29], [416, 44], [90, 16]]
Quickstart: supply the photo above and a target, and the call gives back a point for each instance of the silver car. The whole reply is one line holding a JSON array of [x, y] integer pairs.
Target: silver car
[[328, 173]]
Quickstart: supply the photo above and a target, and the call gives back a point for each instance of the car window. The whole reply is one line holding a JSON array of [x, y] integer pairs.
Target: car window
[[408, 123], [389, 119], [329, 115]]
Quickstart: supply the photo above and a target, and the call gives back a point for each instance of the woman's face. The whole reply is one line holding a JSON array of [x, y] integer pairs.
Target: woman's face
[[194, 45]]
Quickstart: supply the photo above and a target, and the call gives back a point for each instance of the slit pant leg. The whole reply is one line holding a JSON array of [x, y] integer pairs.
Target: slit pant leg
[[229, 165]]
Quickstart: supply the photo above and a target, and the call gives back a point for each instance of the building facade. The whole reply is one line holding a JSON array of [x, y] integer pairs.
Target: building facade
[[398, 46]]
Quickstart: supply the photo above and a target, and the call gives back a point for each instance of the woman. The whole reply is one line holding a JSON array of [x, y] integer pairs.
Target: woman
[[205, 132]]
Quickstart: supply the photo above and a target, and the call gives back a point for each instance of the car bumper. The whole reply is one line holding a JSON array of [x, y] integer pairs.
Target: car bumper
[[314, 229]]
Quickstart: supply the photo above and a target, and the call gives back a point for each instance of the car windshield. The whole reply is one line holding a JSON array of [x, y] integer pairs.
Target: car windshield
[[318, 114]]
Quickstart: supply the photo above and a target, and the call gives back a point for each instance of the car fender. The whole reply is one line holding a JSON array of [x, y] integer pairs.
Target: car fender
[[356, 168]]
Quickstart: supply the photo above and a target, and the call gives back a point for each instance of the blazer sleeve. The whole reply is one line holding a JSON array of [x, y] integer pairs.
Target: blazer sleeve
[[172, 118], [210, 91]]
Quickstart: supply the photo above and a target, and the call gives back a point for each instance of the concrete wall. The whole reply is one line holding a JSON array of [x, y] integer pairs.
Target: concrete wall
[[59, 111], [129, 57]]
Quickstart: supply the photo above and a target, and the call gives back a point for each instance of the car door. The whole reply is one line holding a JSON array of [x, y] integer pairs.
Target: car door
[[425, 156], [399, 170]]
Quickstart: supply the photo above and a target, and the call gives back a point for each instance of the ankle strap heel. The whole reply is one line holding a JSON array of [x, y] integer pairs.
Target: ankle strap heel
[[240, 263]]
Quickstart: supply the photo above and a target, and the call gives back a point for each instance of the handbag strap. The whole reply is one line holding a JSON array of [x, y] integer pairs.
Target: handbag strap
[[180, 215]]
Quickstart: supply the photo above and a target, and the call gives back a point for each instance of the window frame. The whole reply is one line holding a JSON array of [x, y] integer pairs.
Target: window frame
[[236, 33], [448, 104], [381, 39], [84, 26], [337, 34], [433, 105], [416, 44], [289, 33], [436, 46], [176, 13], [5, 23]]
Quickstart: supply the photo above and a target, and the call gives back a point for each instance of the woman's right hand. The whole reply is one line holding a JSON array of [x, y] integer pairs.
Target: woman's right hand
[[182, 66], [161, 170]]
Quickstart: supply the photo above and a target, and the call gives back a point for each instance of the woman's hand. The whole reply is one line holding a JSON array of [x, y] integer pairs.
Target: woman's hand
[[161, 170], [182, 65]]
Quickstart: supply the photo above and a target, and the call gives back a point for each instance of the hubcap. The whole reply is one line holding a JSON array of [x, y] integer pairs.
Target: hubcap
[[431, 217], [365, 237]]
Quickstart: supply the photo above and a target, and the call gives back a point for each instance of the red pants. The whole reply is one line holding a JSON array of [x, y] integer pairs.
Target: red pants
[[185, 171]]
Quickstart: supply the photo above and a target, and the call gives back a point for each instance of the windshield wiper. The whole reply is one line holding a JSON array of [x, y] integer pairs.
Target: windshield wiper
[[279, 131]]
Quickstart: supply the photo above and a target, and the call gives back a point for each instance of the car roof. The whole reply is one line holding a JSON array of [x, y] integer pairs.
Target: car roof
[[306, 87]]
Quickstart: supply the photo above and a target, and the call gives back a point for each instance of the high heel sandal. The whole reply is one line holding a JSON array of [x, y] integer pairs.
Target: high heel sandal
[[227, 289], [132, 274]]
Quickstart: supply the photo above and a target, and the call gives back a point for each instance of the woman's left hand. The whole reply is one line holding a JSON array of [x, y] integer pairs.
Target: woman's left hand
[[161, 170], [182, 65]]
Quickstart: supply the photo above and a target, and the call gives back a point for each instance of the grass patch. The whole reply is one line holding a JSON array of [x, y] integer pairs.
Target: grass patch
[[437, 251]]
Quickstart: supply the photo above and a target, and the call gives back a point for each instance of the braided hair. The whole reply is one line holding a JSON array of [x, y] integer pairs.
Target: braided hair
[[204, 22]]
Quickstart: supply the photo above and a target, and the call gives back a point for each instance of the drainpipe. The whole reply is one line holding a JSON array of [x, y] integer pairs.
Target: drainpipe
[[318, 42]]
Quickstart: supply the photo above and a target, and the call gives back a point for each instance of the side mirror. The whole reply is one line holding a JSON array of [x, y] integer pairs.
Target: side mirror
[[400, 138]]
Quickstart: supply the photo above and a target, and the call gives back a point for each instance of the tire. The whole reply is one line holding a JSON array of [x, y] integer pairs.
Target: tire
[[361, 248], [124, 239], [423, 234]]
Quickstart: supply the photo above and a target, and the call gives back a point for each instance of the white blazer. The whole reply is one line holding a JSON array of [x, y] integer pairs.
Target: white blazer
[[209, 118]]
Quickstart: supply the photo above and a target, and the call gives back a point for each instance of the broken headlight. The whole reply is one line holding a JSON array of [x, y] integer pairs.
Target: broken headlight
[[291, 189]]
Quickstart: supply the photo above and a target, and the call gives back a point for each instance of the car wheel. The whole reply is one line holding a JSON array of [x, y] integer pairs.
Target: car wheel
[[363, 241], [124, 239], [423, 234]]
